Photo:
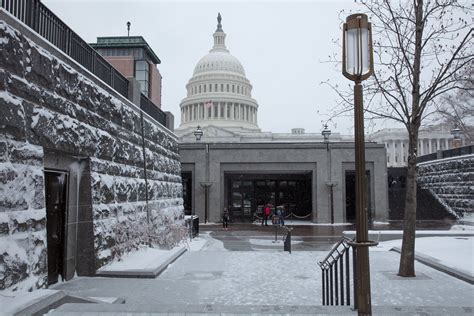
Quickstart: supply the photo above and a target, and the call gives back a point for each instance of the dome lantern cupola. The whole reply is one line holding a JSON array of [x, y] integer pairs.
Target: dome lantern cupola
[[219, 37]]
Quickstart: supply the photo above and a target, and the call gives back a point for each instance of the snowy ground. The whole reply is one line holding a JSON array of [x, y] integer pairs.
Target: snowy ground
[[209, 274]]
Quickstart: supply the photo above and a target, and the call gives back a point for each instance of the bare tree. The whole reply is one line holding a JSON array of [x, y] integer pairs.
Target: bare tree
[[422, 49], [457, 109]]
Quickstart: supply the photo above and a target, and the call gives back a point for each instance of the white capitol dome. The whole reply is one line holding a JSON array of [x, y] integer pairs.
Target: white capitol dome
[[218, 93]]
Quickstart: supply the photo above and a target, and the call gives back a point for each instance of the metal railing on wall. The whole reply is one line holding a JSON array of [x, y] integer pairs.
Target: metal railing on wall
[[454, 152], [149, 107], [336, 271], [39, 18]]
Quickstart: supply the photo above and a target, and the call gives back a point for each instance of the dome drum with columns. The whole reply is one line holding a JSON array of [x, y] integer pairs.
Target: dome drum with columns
[[219, 93]]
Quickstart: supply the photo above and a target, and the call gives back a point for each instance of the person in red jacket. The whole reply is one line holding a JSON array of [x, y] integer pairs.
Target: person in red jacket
[[266, 212]]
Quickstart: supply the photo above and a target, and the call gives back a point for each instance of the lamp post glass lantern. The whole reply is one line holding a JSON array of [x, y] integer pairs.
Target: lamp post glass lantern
[[198, 133], [358, 65], [357, 53], [456, 132], [326, 133]]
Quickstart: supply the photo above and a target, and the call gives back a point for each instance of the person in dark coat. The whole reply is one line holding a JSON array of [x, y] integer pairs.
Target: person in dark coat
[[225, 219]]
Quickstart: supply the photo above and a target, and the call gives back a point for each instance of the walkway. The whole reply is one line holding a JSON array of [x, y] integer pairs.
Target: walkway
[[215, 280]]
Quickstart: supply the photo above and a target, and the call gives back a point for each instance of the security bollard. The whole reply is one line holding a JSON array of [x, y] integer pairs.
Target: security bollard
[[287, 242]]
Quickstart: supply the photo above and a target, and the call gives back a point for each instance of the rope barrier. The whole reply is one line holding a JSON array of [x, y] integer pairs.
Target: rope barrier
[[287, 216]]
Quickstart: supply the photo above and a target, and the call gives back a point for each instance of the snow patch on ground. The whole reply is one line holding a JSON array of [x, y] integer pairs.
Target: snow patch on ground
[[142, 259], [455, 252]]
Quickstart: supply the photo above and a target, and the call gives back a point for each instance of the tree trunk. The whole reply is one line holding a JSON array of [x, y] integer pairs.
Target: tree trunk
[[407, 257]]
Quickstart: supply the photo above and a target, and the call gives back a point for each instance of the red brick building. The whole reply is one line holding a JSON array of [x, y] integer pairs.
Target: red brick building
[[133, 57]]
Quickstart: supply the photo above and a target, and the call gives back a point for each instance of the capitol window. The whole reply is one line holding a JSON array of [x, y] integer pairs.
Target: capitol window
[[199, 89], [222, 87], [227, 87], [210, 88]]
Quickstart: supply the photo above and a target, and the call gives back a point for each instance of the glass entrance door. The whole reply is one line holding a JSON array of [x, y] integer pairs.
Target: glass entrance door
[[248, 193]]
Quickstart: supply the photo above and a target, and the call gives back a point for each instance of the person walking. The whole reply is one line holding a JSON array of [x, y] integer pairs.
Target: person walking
[[281, 214], [225, 219]]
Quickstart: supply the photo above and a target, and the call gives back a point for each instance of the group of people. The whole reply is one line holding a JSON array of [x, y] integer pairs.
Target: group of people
[[267, 213]]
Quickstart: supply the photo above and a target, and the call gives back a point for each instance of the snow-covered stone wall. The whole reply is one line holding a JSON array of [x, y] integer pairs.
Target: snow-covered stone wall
[[49, 102], [452, 182], [22, 214]]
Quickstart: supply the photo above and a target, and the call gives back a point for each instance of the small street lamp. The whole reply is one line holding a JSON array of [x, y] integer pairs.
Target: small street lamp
[[358, 65], [205, 184], [326, 134], [456, 132], [198, 133]]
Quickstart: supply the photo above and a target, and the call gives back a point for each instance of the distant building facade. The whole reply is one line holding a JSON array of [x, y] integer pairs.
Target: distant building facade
[[430, 140], [236, 165], [134, 58]]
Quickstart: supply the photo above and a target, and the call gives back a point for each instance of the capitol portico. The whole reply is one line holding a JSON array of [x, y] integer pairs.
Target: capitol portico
[[430, 140]]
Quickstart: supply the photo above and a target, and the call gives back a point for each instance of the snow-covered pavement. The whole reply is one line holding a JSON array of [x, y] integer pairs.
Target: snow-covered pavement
[[212, 275], [209, 275]]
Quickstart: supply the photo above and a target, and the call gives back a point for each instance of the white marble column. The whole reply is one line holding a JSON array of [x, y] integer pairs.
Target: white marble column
[[430, 145], [400, 159], [392, 153], [446, 144], [437, 144]]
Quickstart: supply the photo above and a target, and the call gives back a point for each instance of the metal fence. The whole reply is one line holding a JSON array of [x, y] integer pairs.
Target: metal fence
[[39, 18], [149, 107], [460, 151], [336, 271]]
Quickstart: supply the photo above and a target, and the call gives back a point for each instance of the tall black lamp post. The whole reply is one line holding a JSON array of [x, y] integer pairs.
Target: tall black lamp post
[[358, 65], [326, 134], [205, 184]]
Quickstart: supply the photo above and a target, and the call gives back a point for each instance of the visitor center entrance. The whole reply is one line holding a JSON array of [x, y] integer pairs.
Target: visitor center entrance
[[246, 195]]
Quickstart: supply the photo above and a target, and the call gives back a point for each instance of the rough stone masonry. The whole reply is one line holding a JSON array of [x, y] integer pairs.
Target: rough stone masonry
[[52, 109]]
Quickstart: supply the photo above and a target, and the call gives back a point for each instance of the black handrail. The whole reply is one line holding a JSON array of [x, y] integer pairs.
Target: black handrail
[[335, 269], [42, 20]]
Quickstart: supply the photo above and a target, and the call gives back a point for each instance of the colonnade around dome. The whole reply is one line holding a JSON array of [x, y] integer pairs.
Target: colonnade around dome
[[196, 89], [218, 111]]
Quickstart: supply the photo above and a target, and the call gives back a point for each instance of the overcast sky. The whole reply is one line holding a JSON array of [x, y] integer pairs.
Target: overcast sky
[[282, 45]]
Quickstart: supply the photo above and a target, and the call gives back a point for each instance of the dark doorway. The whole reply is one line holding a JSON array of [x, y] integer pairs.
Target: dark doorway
[[56, 207], [351, 196], [187, 181]]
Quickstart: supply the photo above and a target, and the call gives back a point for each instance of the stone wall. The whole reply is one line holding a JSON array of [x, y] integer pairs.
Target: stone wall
[[452, 181], [49, 102]]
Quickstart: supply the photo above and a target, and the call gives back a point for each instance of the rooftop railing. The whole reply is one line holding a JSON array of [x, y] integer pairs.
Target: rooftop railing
[[39, 18]]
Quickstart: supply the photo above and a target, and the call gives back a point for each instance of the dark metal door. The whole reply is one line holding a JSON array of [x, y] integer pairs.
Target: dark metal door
[[56, 204]]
